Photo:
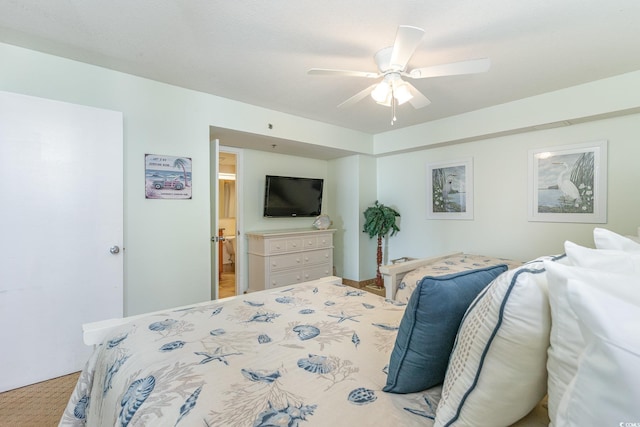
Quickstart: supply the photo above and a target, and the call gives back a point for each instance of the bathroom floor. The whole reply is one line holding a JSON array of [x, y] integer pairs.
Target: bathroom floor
[[227, 285]]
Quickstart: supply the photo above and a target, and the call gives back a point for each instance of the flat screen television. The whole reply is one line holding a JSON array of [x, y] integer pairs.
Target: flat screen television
[[286, 196]]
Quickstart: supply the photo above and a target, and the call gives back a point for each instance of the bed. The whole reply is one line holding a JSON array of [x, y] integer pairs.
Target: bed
[[402, 273], [310, 353], [322, 353]]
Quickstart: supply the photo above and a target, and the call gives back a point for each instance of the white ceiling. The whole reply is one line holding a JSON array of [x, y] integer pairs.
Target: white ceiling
[[259, 51]]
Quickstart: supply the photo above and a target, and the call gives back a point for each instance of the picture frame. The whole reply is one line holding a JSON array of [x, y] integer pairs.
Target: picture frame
[[167, 177], [568, 183], [450, 189]]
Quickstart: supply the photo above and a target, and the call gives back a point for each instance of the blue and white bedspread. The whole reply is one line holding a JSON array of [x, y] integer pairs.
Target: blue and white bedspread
[[304, 355]]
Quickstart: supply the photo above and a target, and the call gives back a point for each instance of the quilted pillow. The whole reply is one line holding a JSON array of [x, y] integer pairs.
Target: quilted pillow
[[429, 326], [497, 371], [605, 389]]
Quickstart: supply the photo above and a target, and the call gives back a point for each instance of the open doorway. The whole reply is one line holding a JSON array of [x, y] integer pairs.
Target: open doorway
[[227, 223]]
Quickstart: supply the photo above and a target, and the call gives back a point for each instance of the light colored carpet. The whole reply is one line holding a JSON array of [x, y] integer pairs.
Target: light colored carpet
[[40, 404]]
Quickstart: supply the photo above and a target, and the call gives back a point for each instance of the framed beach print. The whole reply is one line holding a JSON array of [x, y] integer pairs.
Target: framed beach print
[[568, 183], [450, 190], [167, 177]]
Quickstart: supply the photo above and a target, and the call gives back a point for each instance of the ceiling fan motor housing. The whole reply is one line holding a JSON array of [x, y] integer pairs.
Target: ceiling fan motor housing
[[383, 60]]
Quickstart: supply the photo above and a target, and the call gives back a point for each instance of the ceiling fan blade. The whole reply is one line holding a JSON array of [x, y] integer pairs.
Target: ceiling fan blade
[[452, 69], [357, 97], [350, 73], [407, 40], [418, 100]]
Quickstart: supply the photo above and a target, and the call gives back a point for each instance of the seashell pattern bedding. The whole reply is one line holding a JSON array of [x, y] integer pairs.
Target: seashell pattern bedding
[[303, 355]]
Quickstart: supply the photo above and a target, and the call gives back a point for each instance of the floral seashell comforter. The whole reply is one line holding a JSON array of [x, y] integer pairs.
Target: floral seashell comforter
[[303, 355]]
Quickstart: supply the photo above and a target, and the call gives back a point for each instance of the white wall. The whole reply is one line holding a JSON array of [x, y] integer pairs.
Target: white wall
[[498, 138], [261, 163], [167, 242], [343, 187], [354, 178], [258, 164], [368, 194], [164, 119], [500, 227], [576, 104]]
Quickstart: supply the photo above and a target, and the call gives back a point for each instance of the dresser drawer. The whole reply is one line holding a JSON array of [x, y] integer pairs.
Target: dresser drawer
[[317, 257], [281, 262], [316, 272], [277, 246], [310, 242], [284, 279], [298, 276], [325, 241]]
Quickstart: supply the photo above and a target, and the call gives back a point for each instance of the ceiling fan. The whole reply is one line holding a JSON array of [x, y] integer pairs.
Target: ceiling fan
[[392, 66]]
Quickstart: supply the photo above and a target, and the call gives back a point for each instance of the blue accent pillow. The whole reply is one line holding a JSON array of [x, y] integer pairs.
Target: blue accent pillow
[[429, 326]]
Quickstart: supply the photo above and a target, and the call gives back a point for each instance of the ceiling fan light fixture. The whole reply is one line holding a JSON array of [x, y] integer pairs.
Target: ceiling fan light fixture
[[381, 92], [386, 102], [402, 94], [384, 93]]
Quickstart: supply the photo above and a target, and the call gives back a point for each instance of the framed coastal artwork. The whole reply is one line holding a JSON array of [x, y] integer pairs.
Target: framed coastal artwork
[[568, 183], [167, 177], [450, 189]]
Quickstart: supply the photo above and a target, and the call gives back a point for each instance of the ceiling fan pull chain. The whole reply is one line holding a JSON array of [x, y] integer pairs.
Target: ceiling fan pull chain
[[393, 107]]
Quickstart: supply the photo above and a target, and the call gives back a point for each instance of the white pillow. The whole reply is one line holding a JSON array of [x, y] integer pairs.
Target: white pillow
[[497, 370], [603, 259], [566, 340], [606, 387], [606, 239]]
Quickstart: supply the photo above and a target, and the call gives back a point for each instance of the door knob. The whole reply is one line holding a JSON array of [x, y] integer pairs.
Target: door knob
[[114, 249]]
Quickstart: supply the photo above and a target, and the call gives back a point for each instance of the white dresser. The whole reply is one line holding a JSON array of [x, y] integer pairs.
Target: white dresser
[[283, 257]]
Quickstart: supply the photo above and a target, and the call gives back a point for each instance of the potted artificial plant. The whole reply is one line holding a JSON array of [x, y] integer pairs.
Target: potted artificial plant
[[379, 220]]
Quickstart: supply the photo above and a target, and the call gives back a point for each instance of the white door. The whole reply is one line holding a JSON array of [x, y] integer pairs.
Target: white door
[[238, 242], [61, 210], [214, 157]]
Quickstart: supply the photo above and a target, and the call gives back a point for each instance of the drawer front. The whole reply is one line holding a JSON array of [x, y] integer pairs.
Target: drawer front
[[316, 272], [280, 262], [310, 242], [317, 257], [325, 241], [294, 245], [284, 279], [276, 246]]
